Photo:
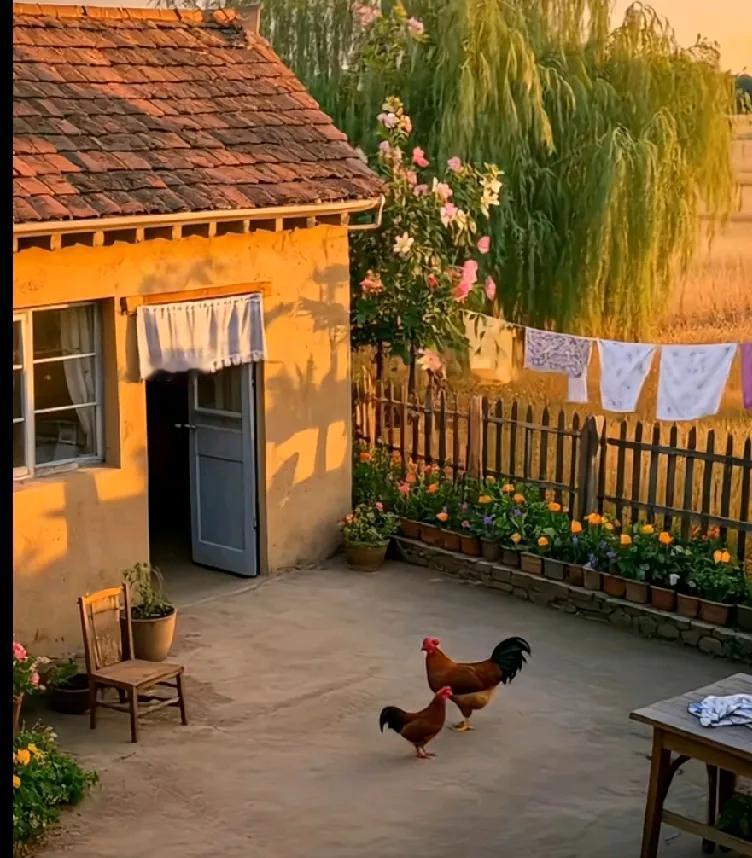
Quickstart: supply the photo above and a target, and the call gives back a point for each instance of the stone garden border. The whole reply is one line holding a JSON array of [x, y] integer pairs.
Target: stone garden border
[[595, 605]]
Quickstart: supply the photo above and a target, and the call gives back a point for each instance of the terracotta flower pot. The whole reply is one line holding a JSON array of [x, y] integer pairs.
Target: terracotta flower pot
[[490, 549], [744, 617], [663, 598], [575, 575], [592, 579], [531, 563], [687, 606], [553, 569], [73, 697], [470, 545], [614, 585], [17, 701], [637, 592], [510, 557], [715, 612], [152, 639], [450, 540], [430, 534], [410, 528]]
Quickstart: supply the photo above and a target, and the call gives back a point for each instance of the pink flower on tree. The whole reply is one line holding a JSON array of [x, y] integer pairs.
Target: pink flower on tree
[[433, 281], [470, 271], [419, 157], [34, 679], [384, 147], [448, 213], [461, 291], [412, 177], [19, 653], [442, 190], [415, 26], [431, 361], [454, 164], [490, 288], [365, 14], [388, 120], [484, 244], [420, 190], [371, 284]]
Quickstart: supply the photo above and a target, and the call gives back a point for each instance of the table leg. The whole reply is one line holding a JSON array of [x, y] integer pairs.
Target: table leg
[[708, 846], [660, 763], [726, 787]]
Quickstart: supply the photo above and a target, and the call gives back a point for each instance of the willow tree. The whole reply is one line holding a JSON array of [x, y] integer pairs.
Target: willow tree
[[612, 141]]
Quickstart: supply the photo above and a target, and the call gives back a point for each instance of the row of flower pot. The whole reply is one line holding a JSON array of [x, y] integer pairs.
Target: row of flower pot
[[638, 592]]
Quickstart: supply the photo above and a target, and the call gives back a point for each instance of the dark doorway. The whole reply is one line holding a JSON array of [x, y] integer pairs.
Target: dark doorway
[[169, 475]]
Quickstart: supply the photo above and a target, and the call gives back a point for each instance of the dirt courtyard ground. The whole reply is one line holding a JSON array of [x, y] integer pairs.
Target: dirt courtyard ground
[[283, 756]]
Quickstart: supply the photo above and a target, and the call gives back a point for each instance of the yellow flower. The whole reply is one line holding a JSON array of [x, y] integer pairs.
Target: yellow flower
[[625, 539], [647, 529], [519, 498], [16, 782], [721, 556], [594, 518], [607, 525], [23, 756], [665, 538], [509, 488], [442, 516], [485, 499], [34, 750], [575, 527], [554, 507], [516, 537], [542, 541]]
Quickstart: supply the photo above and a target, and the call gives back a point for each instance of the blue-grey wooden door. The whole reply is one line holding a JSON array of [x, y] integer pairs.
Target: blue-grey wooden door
[[223, 469]]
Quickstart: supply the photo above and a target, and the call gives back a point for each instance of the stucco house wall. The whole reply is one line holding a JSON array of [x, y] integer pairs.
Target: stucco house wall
[[75, 532]]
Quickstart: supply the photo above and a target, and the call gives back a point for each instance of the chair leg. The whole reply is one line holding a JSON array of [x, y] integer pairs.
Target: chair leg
[[708, 846], [133, 697], [181, 699], [92, 704]]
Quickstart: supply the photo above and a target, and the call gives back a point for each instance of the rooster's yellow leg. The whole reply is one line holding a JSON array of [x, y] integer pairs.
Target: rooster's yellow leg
[[463, 727]]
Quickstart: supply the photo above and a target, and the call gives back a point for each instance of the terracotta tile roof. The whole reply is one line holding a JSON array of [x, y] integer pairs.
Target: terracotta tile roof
[[144, 111]]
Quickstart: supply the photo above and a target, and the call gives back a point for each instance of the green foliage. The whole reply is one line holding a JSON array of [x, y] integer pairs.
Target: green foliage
[[147, 582], [373, 475], [736, 816], [369, 524], [610, 141], [26, 671], [44, 778], [60, 675]]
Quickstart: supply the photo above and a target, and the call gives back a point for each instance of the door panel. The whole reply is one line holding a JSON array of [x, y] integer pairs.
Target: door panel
[[222, 463]]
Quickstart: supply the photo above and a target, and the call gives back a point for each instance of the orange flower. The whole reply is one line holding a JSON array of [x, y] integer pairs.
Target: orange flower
[[508, 488], [516, 537], [647, 529], [594, 518], [16, 782], [722, 556], [665, 538], [442, 516], [519, 498], [411, 478], [485, 499], [554, 507], [433, 488], [365, 456], [575, 527], [625, 539], [543, 541]]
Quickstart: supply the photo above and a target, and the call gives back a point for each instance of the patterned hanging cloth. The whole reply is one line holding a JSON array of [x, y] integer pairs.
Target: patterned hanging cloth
[[549, 351], [624, 368], [692, 380]]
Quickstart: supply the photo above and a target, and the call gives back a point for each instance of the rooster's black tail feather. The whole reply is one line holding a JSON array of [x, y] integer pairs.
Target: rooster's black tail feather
[[510, 656]]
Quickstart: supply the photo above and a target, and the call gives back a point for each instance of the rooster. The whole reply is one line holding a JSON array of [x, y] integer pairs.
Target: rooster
[[473, 684], [418, 727]]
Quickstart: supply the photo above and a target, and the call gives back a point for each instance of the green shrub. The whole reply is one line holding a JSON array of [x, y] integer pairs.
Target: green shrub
[[44, 779]]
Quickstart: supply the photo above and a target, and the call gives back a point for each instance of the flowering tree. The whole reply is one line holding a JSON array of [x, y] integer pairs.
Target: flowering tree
[[428, 262]]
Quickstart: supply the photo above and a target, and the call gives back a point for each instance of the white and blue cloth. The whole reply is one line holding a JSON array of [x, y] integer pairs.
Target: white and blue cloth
[[732, 711]]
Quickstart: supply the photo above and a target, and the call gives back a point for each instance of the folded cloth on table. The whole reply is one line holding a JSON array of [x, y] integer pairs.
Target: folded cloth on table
[[732, 711]]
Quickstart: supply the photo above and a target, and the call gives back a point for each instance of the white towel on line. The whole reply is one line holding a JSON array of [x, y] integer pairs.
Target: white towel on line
[[732, 711], [624, 368], [692, 380]]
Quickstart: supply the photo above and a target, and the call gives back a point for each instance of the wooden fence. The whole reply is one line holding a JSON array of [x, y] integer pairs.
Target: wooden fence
[[674, 476]]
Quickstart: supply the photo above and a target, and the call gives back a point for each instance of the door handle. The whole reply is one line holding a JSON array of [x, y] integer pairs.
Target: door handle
[[184, 426]]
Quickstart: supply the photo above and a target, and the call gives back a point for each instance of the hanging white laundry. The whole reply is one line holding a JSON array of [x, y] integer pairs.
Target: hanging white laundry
[[202, 335], [548, 351], [692, 380], [624, 368], [491, 346]]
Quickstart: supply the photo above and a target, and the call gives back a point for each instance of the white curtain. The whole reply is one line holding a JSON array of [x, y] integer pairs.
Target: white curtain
[[202, 335], [77, 337]]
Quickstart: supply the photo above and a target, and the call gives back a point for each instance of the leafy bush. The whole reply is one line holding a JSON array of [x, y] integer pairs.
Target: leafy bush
[[60, 675], [374, 471], [44, 779], [736, 816], [147, 581], [369, 524]]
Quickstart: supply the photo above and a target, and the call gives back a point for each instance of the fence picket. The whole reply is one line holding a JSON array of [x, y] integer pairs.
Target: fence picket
[[559, 475], [543, 453], [744, 498], [689, 468], [575, 438], [653, 476], [668, 521], [636, 471], [707, 477], [513, 441]]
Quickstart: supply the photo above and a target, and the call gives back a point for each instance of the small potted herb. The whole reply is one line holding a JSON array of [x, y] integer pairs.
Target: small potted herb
[[367, 530], [574, 550], [153, 616], [484, 521], [68, 688], [432, 499], [407, 507], [719, 586], [554, 535]]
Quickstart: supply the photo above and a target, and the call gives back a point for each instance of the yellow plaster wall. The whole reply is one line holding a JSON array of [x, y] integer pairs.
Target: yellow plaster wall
[[74, 532]]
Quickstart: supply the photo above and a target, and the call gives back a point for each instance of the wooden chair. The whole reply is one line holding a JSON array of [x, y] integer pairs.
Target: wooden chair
[[108, 648]]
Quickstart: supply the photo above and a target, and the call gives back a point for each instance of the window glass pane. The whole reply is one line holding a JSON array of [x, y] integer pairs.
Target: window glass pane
[[61, 435], [59, 384], [18, 393], [17, 348], [19, 440], [220, 391], [67, 331]]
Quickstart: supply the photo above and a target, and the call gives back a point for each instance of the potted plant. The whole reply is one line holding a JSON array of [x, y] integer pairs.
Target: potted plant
[[432, 499], [484, 521], [511, 549], [665, 563], [68, 688], [719, 587], [367, 530], [153, 616], [574, 553], [26, 679], [554, 534], [447, 523]]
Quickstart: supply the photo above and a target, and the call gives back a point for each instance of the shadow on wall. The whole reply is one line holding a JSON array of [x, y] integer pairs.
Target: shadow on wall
[[307, 424], [72, 545]]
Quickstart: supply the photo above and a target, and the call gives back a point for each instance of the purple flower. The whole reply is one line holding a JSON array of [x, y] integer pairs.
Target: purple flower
[[516, 512], [488, 519]]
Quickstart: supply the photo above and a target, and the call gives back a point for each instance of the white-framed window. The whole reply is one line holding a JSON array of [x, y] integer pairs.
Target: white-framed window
[[57, 388]]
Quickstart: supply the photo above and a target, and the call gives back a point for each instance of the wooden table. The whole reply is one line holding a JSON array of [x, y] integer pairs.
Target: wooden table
[[726, 752]]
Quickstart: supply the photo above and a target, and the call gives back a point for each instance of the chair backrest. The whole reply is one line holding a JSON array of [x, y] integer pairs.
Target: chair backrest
[[107, 641]]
